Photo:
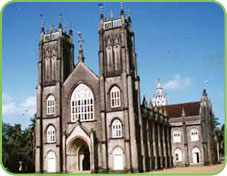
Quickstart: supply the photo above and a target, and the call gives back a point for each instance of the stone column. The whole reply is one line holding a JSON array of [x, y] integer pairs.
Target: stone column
[[168, 137], [164, 145], [148, 145], [151, 144], [159, 146], [155, 161]]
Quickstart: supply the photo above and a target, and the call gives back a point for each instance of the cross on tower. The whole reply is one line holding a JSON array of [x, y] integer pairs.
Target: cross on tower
[[122, 5], [80, 41], [205, 84]]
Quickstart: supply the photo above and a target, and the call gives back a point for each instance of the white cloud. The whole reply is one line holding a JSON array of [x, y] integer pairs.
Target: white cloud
[[178, 82], [10, 107], [29, 105]]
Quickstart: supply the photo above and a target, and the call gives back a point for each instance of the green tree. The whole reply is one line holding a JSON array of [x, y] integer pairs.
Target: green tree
[[18, 145], [220, 134]]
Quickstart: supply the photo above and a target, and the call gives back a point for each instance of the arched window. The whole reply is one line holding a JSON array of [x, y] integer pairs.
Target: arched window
[[178, 155], [47, 68], [117, 131], [51, 134], [117, 57], [176, 136], [118, 163], [115, 97], [50, 105], [51, 162], [196, 155], [109, 54], [194, 135], [82, 104], [53, 67]]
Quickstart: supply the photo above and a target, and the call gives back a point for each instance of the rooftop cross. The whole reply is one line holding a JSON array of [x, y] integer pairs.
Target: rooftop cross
[[80, 41], [122, 5], [101, 7], [60, 18], [205, 84]]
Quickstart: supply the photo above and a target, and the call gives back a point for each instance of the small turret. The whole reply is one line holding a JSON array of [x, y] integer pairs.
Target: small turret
[[204, 94], [160, 98], [144, 103], [70, 32], [60, 25], [42, 30], [122, 13], [183, 114], [101, 16]]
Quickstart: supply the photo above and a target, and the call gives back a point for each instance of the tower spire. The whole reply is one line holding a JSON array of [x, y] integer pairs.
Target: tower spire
[[122, 13], [122, 7], [80, 41], [42, 23], [60, 21], [101, 15], [70, 27]]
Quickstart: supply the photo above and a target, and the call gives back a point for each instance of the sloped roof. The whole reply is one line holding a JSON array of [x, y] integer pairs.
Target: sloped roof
[[175, 110]]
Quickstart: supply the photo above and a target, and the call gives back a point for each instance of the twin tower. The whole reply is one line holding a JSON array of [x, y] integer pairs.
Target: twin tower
[[85, 122]]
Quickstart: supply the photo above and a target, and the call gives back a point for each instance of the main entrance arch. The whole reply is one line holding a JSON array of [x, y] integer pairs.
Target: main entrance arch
[[78, 156]]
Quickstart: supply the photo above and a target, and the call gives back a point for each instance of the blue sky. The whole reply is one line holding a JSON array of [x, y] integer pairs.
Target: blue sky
[[182, 44]]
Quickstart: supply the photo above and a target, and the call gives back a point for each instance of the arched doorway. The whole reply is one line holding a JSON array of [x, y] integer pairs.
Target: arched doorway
[[51, 162], [78, 157], [118, 163], [195, 155]]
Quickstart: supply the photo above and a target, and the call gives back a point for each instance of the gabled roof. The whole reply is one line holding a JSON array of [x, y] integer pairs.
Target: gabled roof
[[175, 110], [84, 67], [87, 68]]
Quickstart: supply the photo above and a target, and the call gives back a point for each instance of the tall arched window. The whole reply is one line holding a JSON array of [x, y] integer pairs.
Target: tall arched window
[[118, 163], [117, 57], [51, 134], [53, 67], [176, 136], [47, 68], [115, 97], [178, 155], [51, 162], [117, 131], [82, 104], [50, 105], [194, 133], [109, 53]]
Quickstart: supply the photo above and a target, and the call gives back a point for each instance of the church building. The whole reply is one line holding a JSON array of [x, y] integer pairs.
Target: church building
[[192, 137], [96, 123]]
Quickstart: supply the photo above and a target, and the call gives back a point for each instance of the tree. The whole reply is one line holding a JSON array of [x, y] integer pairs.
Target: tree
[[17, 146], [220, 134]]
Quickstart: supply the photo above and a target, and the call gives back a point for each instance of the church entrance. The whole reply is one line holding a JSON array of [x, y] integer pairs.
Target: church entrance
[[118, 163], [84, 158], [78, 157]]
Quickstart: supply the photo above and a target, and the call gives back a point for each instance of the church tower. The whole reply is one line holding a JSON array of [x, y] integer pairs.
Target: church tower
[[119, 92], [55, 63]]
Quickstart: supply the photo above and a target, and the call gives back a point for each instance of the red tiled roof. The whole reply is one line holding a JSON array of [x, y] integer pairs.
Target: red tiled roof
[[175, 110]]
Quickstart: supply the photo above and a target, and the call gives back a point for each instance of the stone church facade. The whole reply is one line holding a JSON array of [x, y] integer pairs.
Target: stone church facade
[[86, 122]]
